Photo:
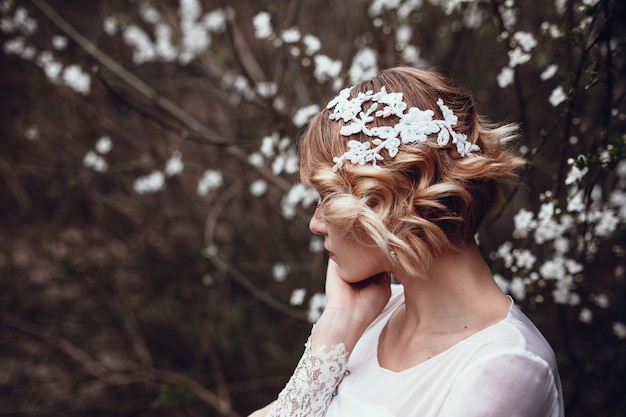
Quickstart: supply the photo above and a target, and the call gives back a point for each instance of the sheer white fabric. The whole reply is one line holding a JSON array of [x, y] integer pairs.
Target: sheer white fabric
[[313, 384], [507, 369]]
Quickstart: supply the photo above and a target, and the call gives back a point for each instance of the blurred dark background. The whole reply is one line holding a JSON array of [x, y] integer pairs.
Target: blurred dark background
[[115, 302]]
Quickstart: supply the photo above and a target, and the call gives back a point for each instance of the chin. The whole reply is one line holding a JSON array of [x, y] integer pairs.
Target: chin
[[355, 279]]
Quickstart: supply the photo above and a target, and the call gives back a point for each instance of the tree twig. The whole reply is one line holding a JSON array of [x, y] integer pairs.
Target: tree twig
[[108, 377], [145, 90]]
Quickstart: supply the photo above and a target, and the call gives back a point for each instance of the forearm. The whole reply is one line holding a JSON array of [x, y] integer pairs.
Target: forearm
[[321, 368], [336, 326]]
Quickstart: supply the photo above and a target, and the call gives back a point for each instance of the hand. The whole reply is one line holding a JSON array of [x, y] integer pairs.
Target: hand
[[350, 308], [364, 300]]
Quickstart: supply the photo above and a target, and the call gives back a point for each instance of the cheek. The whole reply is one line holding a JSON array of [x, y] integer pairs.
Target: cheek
[[361, 267]]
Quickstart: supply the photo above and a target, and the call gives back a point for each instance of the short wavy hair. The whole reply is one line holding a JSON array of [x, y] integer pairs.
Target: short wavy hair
[[425, 201]]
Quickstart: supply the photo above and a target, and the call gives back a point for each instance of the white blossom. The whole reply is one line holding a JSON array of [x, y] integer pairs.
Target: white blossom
[[196, 39], [164, 47], [262, 25], [268, 144], [22, 21], [517, 57], [524, 223], [553, 268], [215, 21], [377, 6], [364, 66], [104, 145], [617, 198], [304, 114], [504, 253], [255, 159], [241, 85], [316, 244], [59, 42], [316, 307], [280, 271], [601, 300], [505, 77], [266, 89], [297, 297], [619, 329], [557, 96], [549, 72], [518, 288], [291, 35], [18, 46], [404, 33], [189, 11], [561, 245], [258, 187], [210, 251], [74, 77], [548, 230], [620, 169], [143, 50], [149, 14], [524, 258], [585, 315], [525, 40], [51, 67], [291, 163], [575, 174], [211, 180], [561, 293], [284, 143], [110, 26], [572, 266], [279, 164], [411, 54], [312, 44], [94, 161], [502, 283], [32, 132], [298, 194], [474, 16], [509, 17], [326, 68], [174, 164], [575, 203], [607, 223], [150, 183], [408, 7]]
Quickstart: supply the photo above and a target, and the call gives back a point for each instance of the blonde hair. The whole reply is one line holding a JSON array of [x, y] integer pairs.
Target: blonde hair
[[425, 201]]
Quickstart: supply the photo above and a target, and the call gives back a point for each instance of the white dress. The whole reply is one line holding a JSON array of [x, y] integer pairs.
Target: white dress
[[507, 369]]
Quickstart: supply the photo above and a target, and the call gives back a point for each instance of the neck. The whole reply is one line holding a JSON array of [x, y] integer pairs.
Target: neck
[[458, 292]]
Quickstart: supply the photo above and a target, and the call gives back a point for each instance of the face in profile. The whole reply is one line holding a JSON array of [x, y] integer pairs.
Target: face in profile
[[355, 260]]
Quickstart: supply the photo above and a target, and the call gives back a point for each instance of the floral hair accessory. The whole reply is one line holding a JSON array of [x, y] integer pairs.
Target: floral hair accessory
[[414, 125]]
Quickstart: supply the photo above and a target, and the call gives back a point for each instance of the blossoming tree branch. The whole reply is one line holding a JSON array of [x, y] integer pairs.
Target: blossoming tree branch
[[199, 105]]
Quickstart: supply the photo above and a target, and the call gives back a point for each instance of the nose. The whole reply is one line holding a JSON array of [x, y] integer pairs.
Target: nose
[[317, 226]]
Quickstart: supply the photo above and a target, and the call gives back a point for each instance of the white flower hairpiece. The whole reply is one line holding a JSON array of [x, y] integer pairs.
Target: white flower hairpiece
[[414, 125]]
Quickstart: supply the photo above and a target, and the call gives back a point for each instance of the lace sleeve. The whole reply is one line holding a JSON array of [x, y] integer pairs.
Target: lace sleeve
[[312, 385]]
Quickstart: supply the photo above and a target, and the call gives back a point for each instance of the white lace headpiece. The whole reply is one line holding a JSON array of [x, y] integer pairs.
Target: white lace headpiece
[[413, 126]]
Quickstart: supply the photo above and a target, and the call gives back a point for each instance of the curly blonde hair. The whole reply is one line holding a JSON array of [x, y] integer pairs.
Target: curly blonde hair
[[425, 201]]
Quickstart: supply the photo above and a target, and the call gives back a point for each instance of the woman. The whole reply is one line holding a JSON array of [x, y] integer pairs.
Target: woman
[[406, 172]]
